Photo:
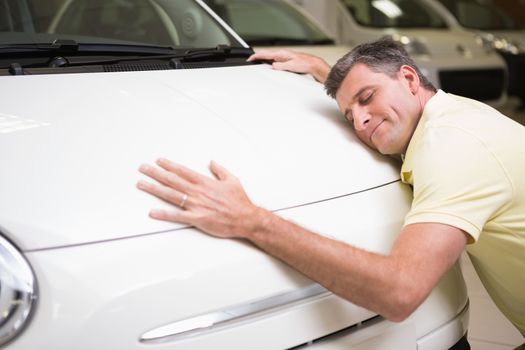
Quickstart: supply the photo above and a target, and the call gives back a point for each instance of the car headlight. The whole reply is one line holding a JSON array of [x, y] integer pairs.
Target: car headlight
[[17, 291], [414, 47], [506, 46], [490, 42]]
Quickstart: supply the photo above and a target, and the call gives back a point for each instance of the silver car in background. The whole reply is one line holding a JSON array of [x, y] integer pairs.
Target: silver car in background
[[448, 56], [493, 28]]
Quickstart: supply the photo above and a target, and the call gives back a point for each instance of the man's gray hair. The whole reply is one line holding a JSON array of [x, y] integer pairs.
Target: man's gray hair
[[381, 56]]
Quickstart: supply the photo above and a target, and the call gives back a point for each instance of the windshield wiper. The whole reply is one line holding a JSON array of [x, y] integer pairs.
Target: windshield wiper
[[178, 56], [55, 46], [66, 46]]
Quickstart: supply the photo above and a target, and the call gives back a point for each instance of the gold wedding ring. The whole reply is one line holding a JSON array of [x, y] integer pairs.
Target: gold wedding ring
[[183, 201]]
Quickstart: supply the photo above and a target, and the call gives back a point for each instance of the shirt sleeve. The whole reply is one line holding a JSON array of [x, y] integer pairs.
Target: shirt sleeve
[[457, 181]]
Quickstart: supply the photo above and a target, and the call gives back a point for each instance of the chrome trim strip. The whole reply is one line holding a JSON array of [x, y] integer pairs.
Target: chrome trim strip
[[210, 321]]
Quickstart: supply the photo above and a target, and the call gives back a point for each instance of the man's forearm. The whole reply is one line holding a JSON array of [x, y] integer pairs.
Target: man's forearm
[[364, 278]]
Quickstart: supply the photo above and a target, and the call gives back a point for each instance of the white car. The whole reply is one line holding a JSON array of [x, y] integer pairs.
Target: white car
[[449, 57], [278, 24], [494, 28], [83, 267]]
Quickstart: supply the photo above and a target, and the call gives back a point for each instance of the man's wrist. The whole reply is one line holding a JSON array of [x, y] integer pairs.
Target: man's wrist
[[320, 70], [259, 222]]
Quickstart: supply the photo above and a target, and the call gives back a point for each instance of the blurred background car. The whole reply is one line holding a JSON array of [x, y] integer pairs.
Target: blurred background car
[[83, 267], [152, 22], [449, 57], [495, 29], [277, 23]]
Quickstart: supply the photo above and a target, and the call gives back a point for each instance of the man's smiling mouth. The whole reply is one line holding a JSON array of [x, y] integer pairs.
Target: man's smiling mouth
[[373, 131]]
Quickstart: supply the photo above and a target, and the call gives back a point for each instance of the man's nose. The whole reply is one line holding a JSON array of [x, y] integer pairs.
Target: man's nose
[[361, 120]]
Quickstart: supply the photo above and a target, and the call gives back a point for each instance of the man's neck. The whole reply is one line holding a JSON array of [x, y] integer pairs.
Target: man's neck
[[424, 96]]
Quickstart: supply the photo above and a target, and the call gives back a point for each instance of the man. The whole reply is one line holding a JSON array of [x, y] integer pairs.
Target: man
[[464, 160]]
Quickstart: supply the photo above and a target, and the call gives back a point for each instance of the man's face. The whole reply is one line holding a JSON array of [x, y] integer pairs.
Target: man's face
[[383, 110]]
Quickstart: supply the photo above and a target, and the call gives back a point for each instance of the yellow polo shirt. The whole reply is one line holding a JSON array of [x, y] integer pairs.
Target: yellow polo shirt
[[466, 163]]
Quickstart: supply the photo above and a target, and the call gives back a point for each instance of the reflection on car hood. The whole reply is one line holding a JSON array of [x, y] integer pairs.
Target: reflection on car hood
[[70, 146]]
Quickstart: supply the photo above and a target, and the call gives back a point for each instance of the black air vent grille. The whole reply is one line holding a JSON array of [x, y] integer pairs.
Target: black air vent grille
[[135, 67]]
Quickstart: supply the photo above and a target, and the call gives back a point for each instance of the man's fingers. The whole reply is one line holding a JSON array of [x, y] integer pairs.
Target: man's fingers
[[219, 171], [165, 193], [213, 206], [284, 66], [257, 56], [180, 170], [274, 55], [165, 177], [262, 55], [171, 215]]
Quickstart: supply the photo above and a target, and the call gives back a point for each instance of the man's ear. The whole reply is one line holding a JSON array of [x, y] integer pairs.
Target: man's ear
[[409, 74]]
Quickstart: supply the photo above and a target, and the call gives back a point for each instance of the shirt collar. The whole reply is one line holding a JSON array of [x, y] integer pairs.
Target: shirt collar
[[431, 107]]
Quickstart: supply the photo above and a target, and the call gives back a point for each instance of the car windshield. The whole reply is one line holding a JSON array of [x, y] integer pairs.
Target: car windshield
[[269, 22], [170, 23], [480, 14], [394, 13]]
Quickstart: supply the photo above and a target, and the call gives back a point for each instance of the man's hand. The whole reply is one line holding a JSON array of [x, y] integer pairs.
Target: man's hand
[[218, 206], [296, 62]]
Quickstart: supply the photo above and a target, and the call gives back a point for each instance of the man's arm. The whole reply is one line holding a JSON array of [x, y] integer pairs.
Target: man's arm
[[296, 62], [393, 285]]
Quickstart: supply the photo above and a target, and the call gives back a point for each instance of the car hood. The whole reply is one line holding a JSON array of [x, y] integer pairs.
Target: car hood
[[70, 146]]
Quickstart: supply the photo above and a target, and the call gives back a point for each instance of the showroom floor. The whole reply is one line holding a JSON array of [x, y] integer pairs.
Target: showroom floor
[[489, 329]]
